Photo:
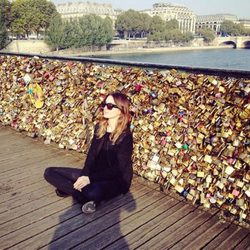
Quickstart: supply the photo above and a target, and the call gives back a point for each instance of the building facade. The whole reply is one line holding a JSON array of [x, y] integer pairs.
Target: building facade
[[167, 11], [79, 9], [214, 21], [245, 23]]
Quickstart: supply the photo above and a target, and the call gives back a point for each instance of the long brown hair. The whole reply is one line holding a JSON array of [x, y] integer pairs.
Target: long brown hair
[[123, 103]]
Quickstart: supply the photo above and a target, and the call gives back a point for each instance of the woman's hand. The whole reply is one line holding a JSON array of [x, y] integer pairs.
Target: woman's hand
[[81, 182]]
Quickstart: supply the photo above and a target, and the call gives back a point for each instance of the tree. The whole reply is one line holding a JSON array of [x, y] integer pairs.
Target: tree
[[172, 24], [145, 21], [246, 31], [123, 23], [71, 35], [176, 36], [4, 22], [157, 25], [95, 31], [108, 28], [89, 30], [156, 36], [5, 12], [45, 10], [31, 16], [241, 29], [132, 23], [167, 31], [207, 34], [232, 29], [3, 33], [23, 17], [228, 27], [187, 37], [54, 34]]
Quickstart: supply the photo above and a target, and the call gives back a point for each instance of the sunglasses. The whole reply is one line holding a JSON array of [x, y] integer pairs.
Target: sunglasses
[[109, 106]]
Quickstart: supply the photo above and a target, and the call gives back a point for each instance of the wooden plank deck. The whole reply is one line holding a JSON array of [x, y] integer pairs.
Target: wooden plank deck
[[33, 217]]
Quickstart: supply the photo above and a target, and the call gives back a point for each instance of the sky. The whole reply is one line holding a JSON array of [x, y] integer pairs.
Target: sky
[[240, 8]]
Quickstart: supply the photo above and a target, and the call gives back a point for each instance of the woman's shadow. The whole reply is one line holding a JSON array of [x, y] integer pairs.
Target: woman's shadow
[[94, 231]]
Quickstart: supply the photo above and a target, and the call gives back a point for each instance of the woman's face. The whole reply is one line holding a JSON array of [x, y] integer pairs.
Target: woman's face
[[111, 113]]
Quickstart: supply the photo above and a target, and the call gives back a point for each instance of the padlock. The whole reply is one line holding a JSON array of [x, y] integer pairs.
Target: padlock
[[190, 130]]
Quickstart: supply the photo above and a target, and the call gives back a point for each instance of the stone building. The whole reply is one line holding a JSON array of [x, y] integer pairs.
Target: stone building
[[167, 11], [214, 21], [245, 22], [78, 9]]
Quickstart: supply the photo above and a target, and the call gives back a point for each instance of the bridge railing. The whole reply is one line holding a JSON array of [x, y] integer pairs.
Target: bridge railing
[[191, 125], [238, 41]]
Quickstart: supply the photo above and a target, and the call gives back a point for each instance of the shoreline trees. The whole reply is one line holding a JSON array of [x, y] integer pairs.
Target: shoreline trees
[[5, 7], [23, 17], [87, 31], [132, 24], [229, 28], [29, 16]]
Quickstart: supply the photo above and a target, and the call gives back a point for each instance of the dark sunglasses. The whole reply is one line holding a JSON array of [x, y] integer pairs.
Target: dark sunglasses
[[109, 106]]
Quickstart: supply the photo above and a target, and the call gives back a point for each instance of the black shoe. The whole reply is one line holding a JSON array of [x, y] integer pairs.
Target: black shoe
[[61, 193], [89, 207]]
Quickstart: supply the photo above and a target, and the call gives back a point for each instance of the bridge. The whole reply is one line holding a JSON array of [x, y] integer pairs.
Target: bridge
[[33, 217], [150, 216], [239, 42]]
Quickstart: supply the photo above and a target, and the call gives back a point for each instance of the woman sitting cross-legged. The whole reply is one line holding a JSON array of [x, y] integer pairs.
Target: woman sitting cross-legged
[[107, 171]]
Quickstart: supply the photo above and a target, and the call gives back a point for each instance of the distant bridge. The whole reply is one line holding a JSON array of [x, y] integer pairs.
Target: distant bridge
[[236, 41]]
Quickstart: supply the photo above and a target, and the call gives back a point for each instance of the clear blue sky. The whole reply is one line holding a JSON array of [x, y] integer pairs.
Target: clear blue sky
[[241, 8]]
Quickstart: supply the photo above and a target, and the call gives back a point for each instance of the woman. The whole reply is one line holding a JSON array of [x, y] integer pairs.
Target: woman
[[108, 169]]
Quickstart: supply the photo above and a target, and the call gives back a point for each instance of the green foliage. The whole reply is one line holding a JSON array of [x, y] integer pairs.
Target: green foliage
[[187, 37], [31, 16], [156, 36], [71, 35], [108, 28], [207, 34], [247, 32], [145, 21], [167, 31], [45, 11], [5, 12], [176, 36], [232, 29], [89, 30], [54, 34], [242, 30], [172, 25], [4, 15], [228, 27], [132, 23], [3, 33], [157, 25], [23, 17], [94, 31], [173, 35], [125, 22]]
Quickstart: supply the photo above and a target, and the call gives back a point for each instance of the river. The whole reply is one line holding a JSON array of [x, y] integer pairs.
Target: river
[[228, 58]]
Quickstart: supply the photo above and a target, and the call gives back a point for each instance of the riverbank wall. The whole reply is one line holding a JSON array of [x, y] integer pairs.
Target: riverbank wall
[[140, 50], [190, 126], [41, 48]]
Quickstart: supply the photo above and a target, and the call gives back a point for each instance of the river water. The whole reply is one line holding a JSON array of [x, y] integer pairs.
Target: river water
[[228, 58]]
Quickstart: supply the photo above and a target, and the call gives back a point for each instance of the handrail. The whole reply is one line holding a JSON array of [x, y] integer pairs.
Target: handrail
[[199, 70]]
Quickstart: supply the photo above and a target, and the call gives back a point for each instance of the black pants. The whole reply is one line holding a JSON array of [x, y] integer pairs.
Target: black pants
[[63, 179]]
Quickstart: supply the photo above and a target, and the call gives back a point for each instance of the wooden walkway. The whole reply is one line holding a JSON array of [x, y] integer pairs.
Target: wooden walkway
[[33, 217]]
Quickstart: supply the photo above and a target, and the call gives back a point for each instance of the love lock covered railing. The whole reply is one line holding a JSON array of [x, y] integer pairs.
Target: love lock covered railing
[[190, 125]]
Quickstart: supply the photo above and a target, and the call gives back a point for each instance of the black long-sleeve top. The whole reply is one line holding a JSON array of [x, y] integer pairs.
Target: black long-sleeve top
[[110, 162]]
